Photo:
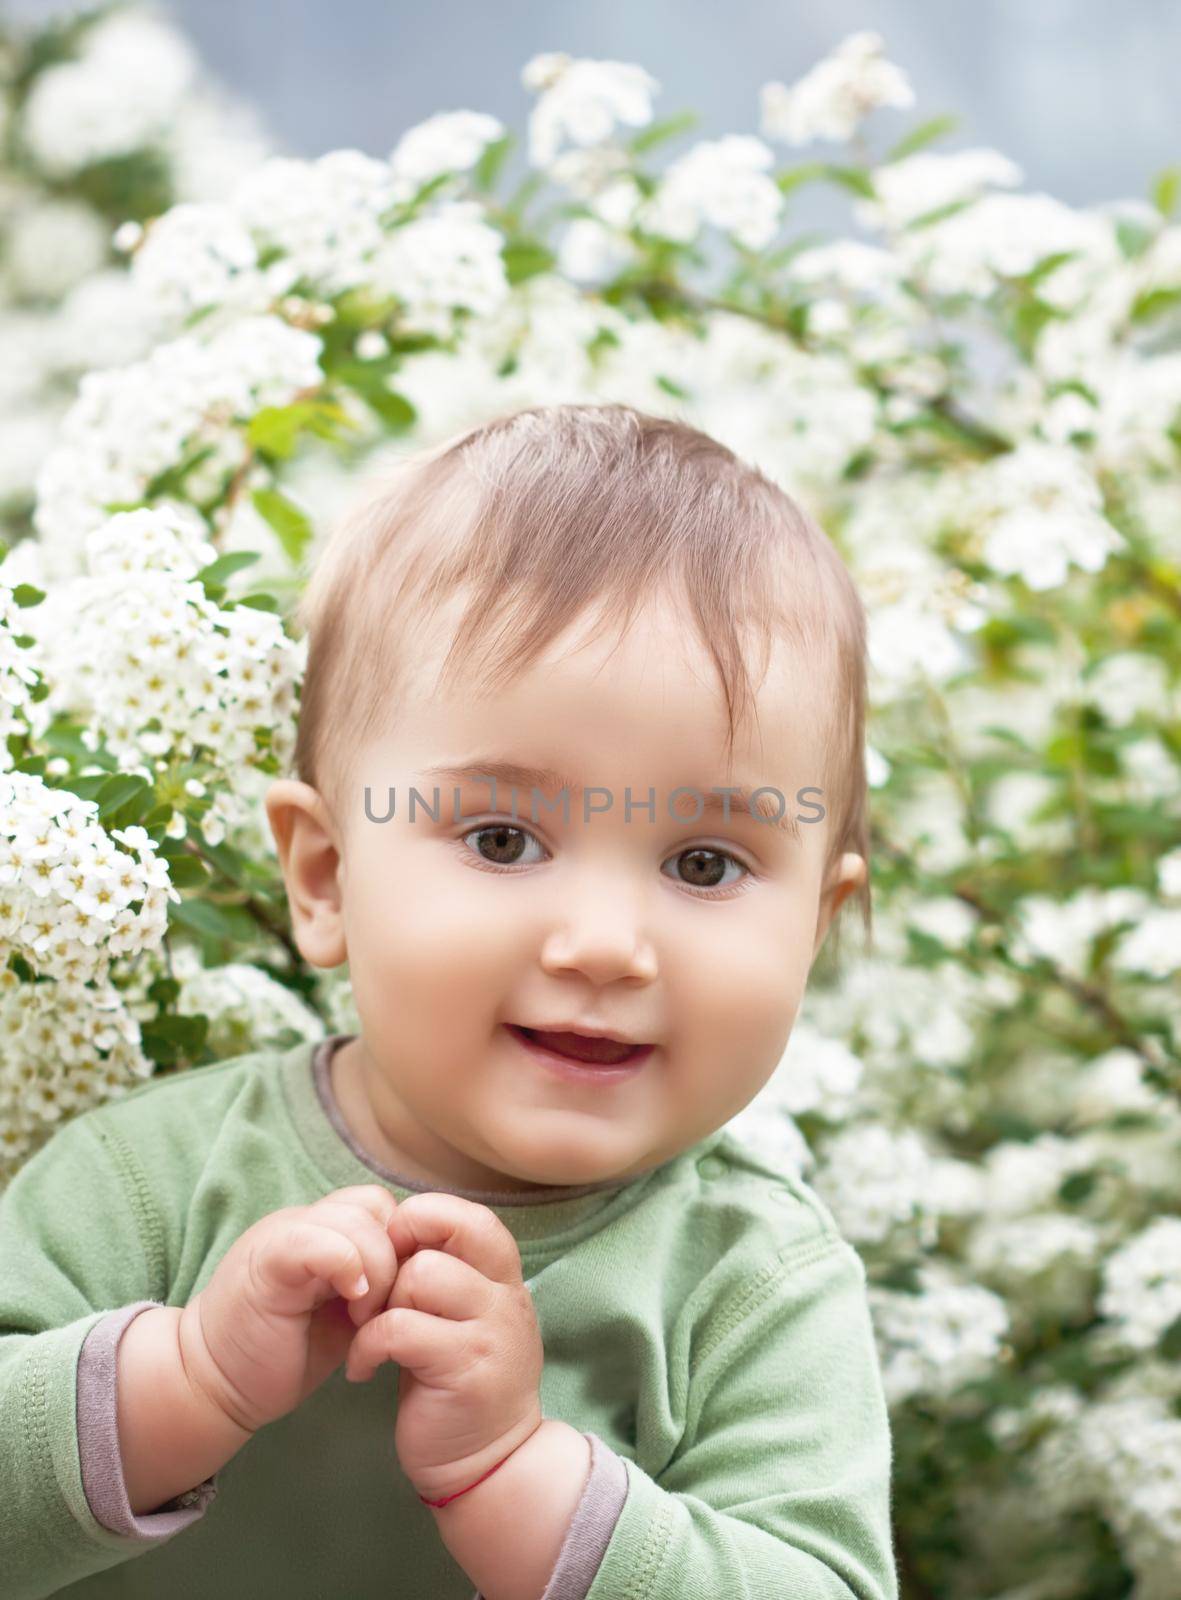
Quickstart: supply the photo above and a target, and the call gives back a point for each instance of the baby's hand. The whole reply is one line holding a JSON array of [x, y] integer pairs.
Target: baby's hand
[[462, 1326], [271, 1324]]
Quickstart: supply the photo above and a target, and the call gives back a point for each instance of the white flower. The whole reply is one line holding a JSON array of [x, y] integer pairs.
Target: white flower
[[1063, 931], [197, 256], [830, 101], [924, 182], [128, 425], [1168, 874], [440, 263], [50, 247], [1154, 947], [324, 215], [936, 1340], [592, 253], [247, 1009], [722, 182], [877, 768], [117, 97], [1043, 511], [1007, 236], [170, 538], [1127, 685], [876, 1180], [816, 1074], [65, 891], [860, 268], [944, 918], [452, 141], [582, 102], [1142, 1284]]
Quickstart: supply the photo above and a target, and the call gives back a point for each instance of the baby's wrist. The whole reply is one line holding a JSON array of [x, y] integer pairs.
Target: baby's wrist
[[449, 1483], [204, 1378]]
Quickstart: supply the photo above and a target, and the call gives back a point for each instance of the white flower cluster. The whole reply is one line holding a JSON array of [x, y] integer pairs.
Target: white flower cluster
[[1127, 1457], [437, 265], [128, 426], [910, 189], [1043, 1260], [816, 1074], [583, 102], [247, 1008], [1043, 511], [70, 899], [1142, 1284], [64, 1046], [877, 1183], [722, 182], [932, 1342], [831, 101], [1064, 931], [51, 246], [325, 227], [153, 667], [118, 96], [452, 141]]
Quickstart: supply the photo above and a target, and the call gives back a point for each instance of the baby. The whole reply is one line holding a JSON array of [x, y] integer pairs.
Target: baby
[[486, 1294]]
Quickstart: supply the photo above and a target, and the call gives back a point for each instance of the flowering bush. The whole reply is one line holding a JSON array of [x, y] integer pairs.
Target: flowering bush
[[981, 402], [105, 121]]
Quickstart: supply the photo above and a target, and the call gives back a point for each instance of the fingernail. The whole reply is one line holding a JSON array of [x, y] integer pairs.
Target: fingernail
[[362, 1285]]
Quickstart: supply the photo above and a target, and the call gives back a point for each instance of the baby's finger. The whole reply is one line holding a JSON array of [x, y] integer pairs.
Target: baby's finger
[[379, 1202], [433, 1348], [304, 1253], [378, 1256], [472, 1232], [442, 1285]]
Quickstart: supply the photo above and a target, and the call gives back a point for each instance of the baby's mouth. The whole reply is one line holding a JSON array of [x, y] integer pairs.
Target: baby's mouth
[[578, 1047]]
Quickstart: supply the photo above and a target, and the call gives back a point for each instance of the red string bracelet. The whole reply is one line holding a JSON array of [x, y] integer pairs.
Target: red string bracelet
[[458, 1492]]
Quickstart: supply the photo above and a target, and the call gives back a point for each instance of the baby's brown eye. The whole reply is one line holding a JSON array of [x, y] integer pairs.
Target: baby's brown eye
[[704, 869], [504, 846]]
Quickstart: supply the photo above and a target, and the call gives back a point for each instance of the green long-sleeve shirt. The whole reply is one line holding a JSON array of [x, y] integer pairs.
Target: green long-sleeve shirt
[[704, 1324]]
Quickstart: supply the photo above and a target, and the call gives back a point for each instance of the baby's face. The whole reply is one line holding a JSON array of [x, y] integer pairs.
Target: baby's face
[[692, 936]]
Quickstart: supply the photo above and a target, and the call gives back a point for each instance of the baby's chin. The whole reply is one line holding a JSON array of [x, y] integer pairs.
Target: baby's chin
[[570, 1159]]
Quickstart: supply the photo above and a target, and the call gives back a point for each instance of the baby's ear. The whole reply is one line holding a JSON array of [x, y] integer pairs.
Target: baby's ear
[[845, 878], [306, 841]]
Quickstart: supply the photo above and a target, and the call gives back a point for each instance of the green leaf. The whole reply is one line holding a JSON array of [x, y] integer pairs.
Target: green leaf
[[1166, 190], [119, 790], [1151, 304], [1132, 237], [855, 178], [259, 602], [274, 431], [369, 381], [487, 168], [168, 1038], [188, 872], [805, 173], [525, 258], [1170, 1341], [26, 595], [1076, 1187], [289, 522], [214, 575], [660, 132], [924, 134], [218, 922]]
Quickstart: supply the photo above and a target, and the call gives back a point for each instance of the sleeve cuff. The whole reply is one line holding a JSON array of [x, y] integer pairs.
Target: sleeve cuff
[[98, 1441], [591, 1526]]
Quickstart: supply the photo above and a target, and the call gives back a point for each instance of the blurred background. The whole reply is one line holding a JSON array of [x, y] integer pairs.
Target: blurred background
[[1080, 93]]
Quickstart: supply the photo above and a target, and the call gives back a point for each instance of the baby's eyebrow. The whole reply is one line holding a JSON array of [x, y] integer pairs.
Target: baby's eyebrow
[[546, 779]]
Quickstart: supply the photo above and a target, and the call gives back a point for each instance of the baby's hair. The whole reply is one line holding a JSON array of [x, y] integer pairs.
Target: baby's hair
[[535, 515]]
